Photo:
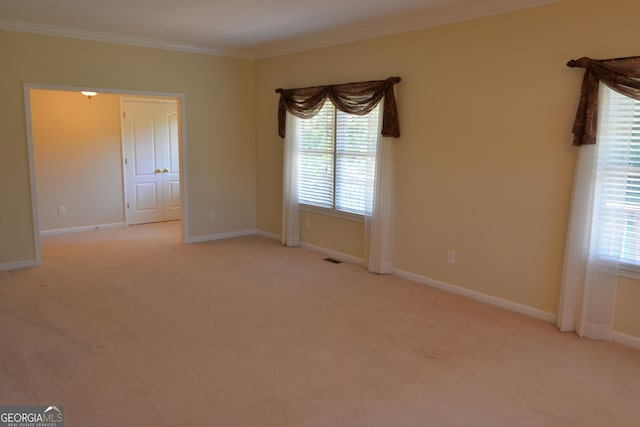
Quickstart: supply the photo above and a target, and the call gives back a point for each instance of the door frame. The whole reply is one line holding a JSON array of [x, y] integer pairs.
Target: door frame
[[182, 143], [125, 182]]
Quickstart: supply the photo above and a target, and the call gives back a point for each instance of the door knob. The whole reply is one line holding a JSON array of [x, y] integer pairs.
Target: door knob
[[165, 170], [158, 171]]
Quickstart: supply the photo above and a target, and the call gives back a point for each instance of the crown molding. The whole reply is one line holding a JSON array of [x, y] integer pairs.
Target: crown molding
[[66, 32], [419, 23], [294, 44]]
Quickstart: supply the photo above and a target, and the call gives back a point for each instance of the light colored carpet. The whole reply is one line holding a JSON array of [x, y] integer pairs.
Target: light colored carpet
[[130, 327]]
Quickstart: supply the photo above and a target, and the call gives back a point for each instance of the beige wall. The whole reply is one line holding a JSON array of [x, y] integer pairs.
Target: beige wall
[[219, 124], [77, 152], [343, 235], [627, 316], [485, 164]]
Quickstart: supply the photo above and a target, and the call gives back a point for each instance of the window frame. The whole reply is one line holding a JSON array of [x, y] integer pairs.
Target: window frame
[[333, 210], [626, 267]]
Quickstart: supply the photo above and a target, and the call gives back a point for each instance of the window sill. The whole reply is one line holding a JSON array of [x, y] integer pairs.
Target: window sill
[[629, 272], [621, 269], [334, 213]]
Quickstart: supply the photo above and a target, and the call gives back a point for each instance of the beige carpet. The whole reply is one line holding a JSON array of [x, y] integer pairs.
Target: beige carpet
[[129, 327]]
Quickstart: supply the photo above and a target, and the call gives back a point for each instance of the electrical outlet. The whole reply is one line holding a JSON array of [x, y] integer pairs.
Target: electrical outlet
[[212, 215], [62, 210], [307, 222], [451, 257]]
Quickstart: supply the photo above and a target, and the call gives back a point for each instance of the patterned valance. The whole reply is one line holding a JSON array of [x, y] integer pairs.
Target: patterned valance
[[620, 74], [354, 98]]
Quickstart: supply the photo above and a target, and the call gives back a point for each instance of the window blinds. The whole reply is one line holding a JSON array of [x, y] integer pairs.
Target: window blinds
[[616, 230], [316, 168], [356, 141], [337, 151]]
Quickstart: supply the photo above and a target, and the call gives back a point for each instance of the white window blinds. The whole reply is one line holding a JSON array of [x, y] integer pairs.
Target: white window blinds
[[337, 151], [616, 230], [316, 141]]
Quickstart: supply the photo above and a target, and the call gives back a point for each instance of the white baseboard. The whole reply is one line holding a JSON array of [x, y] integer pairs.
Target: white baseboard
[[18, 264], [220, 236], [333, 254], [627, 340], [328, 252], [478, 296], [273, 236], [84, 228]]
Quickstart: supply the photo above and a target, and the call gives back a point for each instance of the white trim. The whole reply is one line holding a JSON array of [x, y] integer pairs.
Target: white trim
[[82, 229], [566, 323], [182, 122], [18, 265], [545, 316], [629, 272], [625, 339], [73, 33], [124, 163], [421, 22], [595, 331], [180, 97], [333, 254], [294, 44], [153, 100], [32, 176], [221, 236], [478, 296], [349, 216], [273, 236], [113, 91]]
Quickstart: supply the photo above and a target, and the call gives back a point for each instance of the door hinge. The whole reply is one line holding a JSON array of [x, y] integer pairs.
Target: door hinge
[[124, 115], [127, 205], [125, 161]]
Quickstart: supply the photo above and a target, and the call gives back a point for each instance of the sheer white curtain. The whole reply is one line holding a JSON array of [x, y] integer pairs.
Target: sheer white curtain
[[379, 214], [592, 253], [290, 207], [379, 217]]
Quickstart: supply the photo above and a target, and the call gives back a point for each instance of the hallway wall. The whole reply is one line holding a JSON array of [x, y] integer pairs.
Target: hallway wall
[[77, 153]]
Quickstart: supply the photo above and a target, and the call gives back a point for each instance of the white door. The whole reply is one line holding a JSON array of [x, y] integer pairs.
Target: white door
[[151, 160]]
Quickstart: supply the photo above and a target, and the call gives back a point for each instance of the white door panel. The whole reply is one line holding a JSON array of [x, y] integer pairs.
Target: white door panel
[[146, 197], [172, 205], [152, 161], [174, 144], [144, 143]]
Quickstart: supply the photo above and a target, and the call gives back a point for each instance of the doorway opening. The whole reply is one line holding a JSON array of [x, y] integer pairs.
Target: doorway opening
[[82, 151]]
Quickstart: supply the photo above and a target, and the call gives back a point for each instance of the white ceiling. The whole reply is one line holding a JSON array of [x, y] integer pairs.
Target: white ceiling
[[241, 28]]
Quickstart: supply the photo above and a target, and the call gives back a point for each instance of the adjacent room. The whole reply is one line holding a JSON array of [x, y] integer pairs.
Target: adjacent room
[[111, 160], [452, 264]]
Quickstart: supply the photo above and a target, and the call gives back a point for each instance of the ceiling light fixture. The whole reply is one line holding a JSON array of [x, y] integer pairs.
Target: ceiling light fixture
[[88, 93]]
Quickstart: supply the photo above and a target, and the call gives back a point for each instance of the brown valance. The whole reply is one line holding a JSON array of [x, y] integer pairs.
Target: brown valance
[[620, 74], [354, 98]]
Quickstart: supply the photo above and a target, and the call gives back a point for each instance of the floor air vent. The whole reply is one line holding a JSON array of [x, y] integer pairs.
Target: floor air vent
[[333, 260]]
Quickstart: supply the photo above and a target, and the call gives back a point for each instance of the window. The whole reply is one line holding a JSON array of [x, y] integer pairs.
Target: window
[[337, 154], [616, 230]]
